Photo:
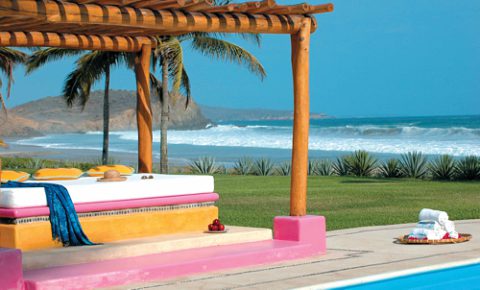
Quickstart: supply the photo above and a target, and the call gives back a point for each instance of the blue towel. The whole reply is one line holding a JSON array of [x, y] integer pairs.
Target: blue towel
[[63, 218]]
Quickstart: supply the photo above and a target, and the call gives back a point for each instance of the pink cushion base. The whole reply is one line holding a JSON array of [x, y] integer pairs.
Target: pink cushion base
[[112, 205]]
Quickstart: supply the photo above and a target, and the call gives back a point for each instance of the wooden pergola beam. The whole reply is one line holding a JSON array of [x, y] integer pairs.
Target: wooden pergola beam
[[162, 21], [87, 42]]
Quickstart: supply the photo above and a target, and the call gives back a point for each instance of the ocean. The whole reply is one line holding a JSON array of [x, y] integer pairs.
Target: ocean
[[329, 138]]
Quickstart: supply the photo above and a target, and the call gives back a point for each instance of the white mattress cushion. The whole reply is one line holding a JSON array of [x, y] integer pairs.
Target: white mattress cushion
[[87, 189]]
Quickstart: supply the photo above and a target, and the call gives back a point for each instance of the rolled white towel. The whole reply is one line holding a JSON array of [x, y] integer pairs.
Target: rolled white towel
[[420, 233], [429, 225], [449, 226], [453, 235], [435, 215]]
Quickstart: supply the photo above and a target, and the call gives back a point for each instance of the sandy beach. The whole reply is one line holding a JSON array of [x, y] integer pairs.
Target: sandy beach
[[15, 150]]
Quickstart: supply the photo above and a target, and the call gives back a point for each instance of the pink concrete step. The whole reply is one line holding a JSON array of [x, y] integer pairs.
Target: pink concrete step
[[294, 237], [165, 265]]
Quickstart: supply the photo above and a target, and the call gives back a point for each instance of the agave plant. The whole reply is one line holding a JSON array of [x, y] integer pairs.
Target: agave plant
[[243, 166], [36, 163], [263, 167], [284, 168], [324, 168], [468, 168], [413, 165], [341, 166], [313, 167], [442, 168], [204, 165], [362, 163], [390, 169]]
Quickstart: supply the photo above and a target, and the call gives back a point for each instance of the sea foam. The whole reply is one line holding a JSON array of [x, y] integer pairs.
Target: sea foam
[[393, 138]]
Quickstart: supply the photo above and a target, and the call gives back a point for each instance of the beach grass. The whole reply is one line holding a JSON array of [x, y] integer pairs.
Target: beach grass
[[346, 202]]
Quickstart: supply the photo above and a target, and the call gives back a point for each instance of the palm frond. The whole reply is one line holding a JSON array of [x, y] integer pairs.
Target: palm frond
[[11, 55], [42, 56], [171, 50], [196, 34], [186, 88], [8, 59], [156, 86], [174, 55], [252, 37], [90, 68], [2, 103], [228, 51]]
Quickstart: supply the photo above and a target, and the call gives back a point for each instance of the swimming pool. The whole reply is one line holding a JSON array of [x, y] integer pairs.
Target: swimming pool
[[454, 275], [460, 277]]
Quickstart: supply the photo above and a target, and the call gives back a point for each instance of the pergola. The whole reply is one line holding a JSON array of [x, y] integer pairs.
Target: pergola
[[131, 26]]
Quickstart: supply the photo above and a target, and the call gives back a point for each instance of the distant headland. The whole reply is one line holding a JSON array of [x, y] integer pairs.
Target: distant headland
[[50, 115]]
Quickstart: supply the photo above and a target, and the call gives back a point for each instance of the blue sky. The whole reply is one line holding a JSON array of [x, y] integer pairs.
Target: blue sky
[[368, 58]]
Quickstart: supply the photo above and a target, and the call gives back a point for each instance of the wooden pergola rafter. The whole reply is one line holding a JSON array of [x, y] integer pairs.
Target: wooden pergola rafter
[[133, 25]]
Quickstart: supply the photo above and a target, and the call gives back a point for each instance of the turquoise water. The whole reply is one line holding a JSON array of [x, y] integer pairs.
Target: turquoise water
[[464, 277], [329, 138]]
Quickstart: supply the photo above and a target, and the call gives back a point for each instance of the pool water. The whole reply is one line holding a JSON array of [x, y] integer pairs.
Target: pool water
[[456, 278]]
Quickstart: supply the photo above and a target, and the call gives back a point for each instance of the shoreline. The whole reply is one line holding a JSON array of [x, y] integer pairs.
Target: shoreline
[[84, 155], [179, 154]]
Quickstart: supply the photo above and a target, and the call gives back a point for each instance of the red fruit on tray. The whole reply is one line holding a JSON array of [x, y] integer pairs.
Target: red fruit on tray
[[214, 228], [210, 227], [216, 222], [221, 227]]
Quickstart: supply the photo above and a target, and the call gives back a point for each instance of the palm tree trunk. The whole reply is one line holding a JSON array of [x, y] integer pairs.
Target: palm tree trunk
[[106, 117], [164, 119]]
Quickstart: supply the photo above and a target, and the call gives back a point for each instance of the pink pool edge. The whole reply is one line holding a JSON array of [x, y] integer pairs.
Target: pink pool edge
[[294, 238]]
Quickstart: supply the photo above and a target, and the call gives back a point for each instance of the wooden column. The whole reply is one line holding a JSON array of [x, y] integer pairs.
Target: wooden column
[[144, 110], [301, 119]]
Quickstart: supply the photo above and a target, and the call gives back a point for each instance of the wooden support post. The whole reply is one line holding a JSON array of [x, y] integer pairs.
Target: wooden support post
[[301, 119], [144, 110]]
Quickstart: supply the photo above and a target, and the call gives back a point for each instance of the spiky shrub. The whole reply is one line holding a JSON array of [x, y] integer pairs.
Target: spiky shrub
[[263, 167], [284, 168], [110, 161], [468, 168], [362, 163], [341, 166], [442, 168], [36, 163], [14, 163], [413, 165], [243, 166], [204, 165], [324, 168], [222, 170], [390, 169], [313, 167]]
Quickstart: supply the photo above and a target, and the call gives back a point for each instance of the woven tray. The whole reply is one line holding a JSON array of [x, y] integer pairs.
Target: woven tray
[[464, 238]]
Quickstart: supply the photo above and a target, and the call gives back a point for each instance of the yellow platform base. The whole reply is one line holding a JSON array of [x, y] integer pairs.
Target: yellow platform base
[[102, 229]]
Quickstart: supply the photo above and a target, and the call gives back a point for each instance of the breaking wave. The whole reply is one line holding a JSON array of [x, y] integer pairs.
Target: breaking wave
[[392, 138]]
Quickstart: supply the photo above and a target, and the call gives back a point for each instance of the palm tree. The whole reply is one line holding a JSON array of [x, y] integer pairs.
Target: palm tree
[[169, 55], [90, 68], [9, 58]]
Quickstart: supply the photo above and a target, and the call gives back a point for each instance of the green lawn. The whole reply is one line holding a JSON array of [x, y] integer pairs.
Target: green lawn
[[346, 202]]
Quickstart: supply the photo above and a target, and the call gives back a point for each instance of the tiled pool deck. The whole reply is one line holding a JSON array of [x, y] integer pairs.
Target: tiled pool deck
[[351, 253]]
